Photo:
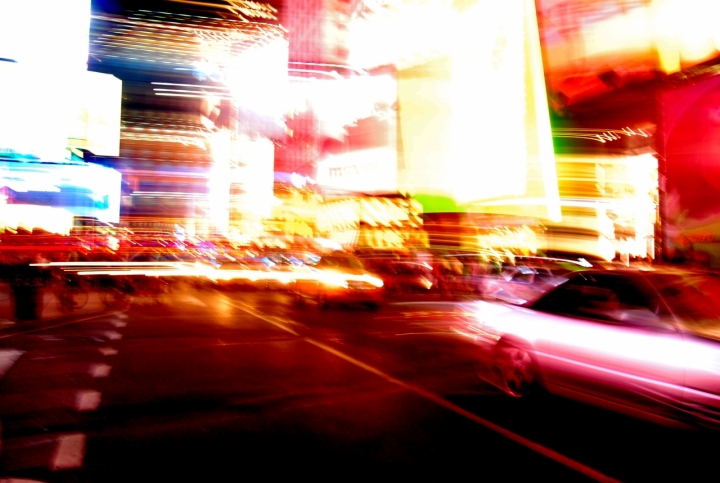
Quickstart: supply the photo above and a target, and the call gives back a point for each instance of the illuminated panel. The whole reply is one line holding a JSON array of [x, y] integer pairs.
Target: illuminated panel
[[243, 164], [400, 33], [34, 116], [357, 127], [97, 123], [252, 181], [219, 181], [82, 189], [29, 217], [48, 33], [257, 78], [475, 126], [369, 170]]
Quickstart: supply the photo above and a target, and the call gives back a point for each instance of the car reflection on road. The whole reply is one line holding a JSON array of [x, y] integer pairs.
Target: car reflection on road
[[645, 343]]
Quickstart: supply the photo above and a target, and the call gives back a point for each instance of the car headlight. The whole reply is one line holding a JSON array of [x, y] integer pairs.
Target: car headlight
[[336, 282], [375, 281]]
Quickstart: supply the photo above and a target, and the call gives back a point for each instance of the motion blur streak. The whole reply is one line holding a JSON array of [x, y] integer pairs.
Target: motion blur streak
[[538, 448], [178, 269]]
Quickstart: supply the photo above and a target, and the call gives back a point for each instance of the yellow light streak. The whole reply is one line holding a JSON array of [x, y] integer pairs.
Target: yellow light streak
[[180, 269]]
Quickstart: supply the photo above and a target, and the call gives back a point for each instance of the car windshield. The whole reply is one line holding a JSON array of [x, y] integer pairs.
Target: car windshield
[[693, 300]]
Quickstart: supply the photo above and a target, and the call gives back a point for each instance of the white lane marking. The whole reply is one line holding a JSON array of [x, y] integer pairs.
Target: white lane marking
[[69, 452], [7, 360], [19, 480], [517, 438], [118, 323], [112, 335], [448, 332], [100, 370], [63, 324], [107, 351], [87, 400], [267, 318]]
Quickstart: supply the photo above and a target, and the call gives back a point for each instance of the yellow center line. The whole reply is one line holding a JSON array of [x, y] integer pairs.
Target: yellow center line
[[538, 448]]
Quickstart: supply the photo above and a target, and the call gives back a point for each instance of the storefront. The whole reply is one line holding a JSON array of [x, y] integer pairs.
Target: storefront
[[373, 222]]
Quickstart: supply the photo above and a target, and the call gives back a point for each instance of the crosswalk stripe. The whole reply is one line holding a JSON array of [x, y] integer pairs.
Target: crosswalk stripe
[[100, 370], [87, 400], [7, 360], [69, 452]]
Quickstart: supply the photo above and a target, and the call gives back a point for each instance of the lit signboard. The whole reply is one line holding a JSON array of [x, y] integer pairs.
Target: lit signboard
[[97, 106], [364, 171], [82, 189], [357, 124], [35, 113], [475, 125], [48, 33], [41, 115], [48, 99]]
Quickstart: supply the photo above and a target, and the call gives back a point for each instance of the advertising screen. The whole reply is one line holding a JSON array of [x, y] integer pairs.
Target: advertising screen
[[81, 189], [357, 131], [48, 33], [475, 126]]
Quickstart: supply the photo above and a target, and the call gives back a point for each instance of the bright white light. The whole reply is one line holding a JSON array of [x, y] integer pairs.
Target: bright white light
[[364, 170], [404, 36], [488, 104], [102, 184], [48, 33], [476, 125], [258, 78]]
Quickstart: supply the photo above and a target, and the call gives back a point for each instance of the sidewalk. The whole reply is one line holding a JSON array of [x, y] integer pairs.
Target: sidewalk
[[50, 309]]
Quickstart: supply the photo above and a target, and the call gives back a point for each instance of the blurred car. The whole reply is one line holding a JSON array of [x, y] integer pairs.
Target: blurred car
[[239, 274], [403, 277], [280, 267], [522, 283], [338, 278], [645, 343]]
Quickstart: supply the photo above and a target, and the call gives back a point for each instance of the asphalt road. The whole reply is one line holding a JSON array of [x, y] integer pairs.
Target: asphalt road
[[238, 386]]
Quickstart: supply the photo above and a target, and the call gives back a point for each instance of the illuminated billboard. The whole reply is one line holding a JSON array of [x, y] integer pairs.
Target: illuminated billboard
[[97, 107], [48, 33], [475, 126], [41, 116], [34, 115], [83, 189], [357, 124]]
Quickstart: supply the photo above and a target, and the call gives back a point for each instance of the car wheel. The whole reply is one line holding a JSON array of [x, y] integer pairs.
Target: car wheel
[[517, 370]]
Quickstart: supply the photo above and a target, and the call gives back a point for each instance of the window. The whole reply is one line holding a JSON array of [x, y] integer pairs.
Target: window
[[617, 299]]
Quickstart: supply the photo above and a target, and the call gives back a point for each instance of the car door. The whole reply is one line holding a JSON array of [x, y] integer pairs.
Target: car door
[[611, 342], [692, 298]]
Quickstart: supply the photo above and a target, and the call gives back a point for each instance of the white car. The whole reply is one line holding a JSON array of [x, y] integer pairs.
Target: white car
[[646, 343]]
